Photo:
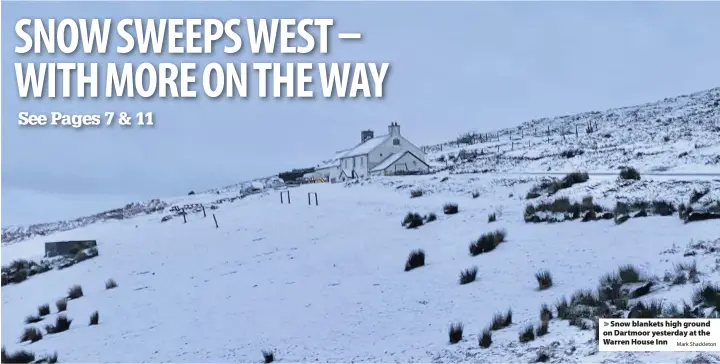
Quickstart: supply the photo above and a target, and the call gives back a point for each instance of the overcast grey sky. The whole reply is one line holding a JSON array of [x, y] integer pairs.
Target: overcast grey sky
[[455, 67]]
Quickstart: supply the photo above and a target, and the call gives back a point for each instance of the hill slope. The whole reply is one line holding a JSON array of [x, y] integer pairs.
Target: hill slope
[[327, 283], [679, 134]]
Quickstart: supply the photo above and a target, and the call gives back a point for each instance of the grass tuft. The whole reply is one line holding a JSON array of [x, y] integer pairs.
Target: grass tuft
[[542, 329], [415, 259], [431, 217], [43, 310], [416, 193], [563, 308], [468, 275], [455, 333], [268, 356], [629, 273], [412, 220], [31, 334], [450, 208], [94, 318], [545, 313], [527, 334], [629, 173], [62, 323], [21, 356], [31, 319], [492, 217], [544, 279], [75, 292], [485, 339], [61, 305], [110, 284], [487, 242]]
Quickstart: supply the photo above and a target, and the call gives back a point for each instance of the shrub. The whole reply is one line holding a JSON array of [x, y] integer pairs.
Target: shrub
[[31, 319], [21, 356], [50, 359], [415, 259], [412, 220], [468, 275], [43, 310], [563, 308], [642, 310], [527, 334], [610, 285], [707, 295], [629, 274], [416, 193], [507, 320], [450, 208], [431, 217], [619, 219], [545, 313], [629, 173], [475, 194], [31, 334], [268, 356], [555, 185], [498, 322], [585, 297], [492, 217], [542, 357], [487, 242], [663, 208], [542, 329], [62, 323], [110, 284], [455, 333], [75, 292], [697, 195], [579, 322], [94, 318], [485, 339], [61, 305], [690, 268], [544, 279]]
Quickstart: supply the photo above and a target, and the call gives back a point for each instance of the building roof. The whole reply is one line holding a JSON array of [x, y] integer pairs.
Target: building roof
[[334, 161], [366, 146], [387, 162], [360, 149]]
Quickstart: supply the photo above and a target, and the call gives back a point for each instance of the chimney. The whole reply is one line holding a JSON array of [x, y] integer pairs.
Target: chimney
[[394, 129], [365, 135]]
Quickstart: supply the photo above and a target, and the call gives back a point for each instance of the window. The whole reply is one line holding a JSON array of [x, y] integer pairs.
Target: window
[[414, 163], [396, 141], [362, 161]]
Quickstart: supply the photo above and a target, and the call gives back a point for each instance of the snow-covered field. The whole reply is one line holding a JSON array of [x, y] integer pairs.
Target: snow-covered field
[[327, 283]]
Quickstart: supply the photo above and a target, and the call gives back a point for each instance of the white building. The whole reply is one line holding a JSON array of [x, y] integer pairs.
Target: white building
[[375, 155]]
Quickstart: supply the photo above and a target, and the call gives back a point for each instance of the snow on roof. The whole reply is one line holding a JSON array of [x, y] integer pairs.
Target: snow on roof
[[388, 162], [366, 146], [334, 161]]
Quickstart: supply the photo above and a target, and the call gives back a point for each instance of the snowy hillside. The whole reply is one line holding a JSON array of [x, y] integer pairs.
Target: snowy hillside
[[679, 135], [223, 275]]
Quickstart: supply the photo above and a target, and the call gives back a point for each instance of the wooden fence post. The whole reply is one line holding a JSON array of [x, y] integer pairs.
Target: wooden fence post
[[184, 219], [203, 207], [216, 224]]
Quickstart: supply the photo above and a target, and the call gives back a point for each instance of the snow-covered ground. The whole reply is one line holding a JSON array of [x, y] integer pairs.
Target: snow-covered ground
[[327, 283], [677, 134]]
